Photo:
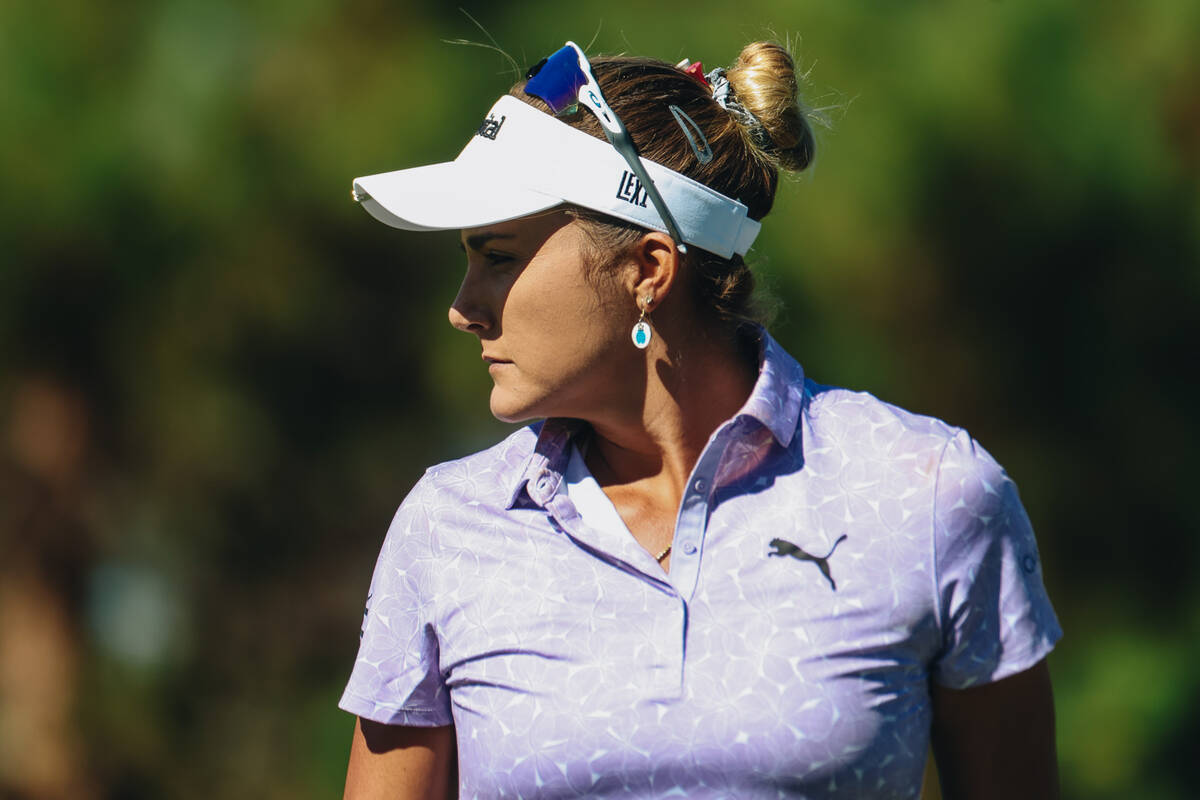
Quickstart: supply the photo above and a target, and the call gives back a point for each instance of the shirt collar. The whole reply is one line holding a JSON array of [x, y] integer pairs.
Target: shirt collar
[[544, 469], [775, 401], [778, 394]]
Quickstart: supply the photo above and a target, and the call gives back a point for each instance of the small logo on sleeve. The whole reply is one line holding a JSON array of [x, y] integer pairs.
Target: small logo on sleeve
[[366, 611], [631, 190], [490, 127], [786, 548]]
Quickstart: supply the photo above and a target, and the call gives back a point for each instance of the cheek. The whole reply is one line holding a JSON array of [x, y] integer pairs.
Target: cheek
[[592, 329], [559, 315]]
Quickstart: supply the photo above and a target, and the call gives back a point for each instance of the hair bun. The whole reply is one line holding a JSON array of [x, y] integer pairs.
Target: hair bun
[[765, 83]]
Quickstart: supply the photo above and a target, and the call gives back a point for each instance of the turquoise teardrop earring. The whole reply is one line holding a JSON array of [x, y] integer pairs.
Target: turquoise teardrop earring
[[642, 333]]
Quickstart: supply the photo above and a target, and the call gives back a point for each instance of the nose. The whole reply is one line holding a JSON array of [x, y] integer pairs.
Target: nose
[[469, 313]]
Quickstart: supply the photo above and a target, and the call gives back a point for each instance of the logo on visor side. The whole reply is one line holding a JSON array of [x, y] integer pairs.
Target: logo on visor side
[[631, 189], [490, 127]]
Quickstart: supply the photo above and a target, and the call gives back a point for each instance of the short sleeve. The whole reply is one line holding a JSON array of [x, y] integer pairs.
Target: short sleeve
[[396, 678], [995, 616]]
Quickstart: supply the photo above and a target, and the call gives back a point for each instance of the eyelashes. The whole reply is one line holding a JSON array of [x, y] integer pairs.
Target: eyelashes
[[492, 257]]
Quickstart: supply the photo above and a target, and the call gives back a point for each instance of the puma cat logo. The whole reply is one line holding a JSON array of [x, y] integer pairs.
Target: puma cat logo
[[786, 548]]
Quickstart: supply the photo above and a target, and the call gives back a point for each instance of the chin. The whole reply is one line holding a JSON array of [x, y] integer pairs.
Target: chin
[[507, 409], [512, 418], [526, 403]]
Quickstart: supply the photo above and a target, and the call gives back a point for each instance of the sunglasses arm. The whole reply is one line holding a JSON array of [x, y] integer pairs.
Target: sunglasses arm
[[618, 136], [624, 146]]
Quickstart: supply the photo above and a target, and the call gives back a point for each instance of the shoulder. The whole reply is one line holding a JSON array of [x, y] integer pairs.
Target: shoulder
[[859, 424], [453, 495], [857, 433], [488, 476], [451, 499], [838, 427], [470, 496], [860, 429]]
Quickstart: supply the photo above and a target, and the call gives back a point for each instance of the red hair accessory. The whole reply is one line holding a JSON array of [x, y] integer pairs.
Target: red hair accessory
[[695, 70]]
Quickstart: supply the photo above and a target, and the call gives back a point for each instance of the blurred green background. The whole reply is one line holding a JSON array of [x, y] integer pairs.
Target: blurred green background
[[218, 376]]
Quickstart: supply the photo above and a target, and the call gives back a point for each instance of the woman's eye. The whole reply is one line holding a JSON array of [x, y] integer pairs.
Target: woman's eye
[[497, 258]]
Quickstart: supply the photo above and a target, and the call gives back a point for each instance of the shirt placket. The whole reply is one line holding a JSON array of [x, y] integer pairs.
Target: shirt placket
[[660, 652], [667, 596], [687, 547]]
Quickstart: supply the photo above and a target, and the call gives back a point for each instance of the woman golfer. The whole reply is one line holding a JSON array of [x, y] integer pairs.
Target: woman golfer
[[703, 574]]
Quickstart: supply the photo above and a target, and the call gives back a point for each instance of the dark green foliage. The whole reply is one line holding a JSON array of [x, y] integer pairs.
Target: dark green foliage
[[246, 372]]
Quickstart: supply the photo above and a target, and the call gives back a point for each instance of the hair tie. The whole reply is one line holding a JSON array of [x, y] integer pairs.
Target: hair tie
[[722, 92]]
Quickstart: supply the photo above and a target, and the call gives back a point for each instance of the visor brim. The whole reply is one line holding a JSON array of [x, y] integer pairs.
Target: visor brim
[[447, 196]]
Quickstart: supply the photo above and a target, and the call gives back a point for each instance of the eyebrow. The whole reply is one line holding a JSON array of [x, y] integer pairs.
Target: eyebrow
[[478, 240]]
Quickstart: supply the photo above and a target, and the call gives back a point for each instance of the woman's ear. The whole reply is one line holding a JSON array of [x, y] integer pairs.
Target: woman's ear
[[657, 260]]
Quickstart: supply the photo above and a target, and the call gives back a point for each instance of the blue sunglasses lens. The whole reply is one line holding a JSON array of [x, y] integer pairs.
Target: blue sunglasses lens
[[557, 81]]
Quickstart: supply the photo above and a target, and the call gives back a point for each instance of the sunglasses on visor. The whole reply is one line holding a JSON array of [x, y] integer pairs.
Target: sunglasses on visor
[[565, 79]]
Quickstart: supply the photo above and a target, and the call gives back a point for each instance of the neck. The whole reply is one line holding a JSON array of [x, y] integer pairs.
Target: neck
[[690, 391]]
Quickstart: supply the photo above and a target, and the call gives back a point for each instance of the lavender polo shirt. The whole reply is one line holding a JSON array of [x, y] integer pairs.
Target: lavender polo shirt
[[833, 554]]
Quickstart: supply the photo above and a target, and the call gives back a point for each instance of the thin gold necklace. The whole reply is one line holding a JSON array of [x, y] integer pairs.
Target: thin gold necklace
[[604, 463]]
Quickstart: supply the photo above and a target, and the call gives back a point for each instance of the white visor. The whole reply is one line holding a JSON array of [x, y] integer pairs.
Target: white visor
[[522, 160]]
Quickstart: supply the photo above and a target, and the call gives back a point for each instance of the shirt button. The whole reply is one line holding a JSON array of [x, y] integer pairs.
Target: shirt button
[[543, 484], [699, 485], [689, 549]]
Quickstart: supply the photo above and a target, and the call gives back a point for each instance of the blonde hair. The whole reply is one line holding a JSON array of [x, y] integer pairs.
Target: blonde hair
[[765, 83]]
